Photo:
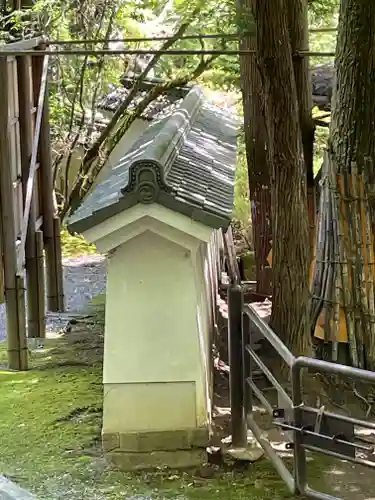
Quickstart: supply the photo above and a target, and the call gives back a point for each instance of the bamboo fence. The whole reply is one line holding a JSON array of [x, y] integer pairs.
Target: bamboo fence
[[342, 306]]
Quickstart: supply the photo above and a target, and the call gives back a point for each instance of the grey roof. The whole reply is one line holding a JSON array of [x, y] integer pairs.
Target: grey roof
[[185, 162], [162, 106], [322, 85]]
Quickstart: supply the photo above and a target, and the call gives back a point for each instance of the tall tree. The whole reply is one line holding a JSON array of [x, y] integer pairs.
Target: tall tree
[[352, 176], [256, 145], [288, 180], [255, 133]]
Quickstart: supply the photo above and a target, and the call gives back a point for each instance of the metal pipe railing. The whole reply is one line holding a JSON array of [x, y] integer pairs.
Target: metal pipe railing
[[296, 417], [269, 335], [242, 319]]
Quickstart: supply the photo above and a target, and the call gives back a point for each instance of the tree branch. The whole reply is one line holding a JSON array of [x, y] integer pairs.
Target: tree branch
[[92, 154], [87, 180]]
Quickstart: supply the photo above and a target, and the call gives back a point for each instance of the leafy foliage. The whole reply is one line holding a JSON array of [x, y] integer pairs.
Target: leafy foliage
[[78, 83], [323, 11]]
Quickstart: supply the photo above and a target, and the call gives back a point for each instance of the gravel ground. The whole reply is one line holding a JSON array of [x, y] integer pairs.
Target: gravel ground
[[84, 277]]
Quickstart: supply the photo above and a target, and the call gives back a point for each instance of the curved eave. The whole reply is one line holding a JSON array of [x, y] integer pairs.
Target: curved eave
[[206, 216]]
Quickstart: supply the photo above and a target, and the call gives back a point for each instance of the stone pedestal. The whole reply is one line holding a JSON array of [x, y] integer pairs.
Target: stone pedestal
[[157, 353]]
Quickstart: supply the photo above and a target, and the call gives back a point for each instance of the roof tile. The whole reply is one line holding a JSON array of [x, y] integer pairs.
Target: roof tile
[[198, 169]]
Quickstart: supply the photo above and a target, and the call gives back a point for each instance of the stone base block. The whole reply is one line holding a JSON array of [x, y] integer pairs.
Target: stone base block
[[178, 459], [149, 450]]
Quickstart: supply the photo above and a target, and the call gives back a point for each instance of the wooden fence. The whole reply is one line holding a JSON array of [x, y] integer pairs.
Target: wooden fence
[[29, 227]]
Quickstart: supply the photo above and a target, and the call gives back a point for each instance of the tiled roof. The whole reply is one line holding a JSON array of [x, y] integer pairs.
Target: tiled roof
[[163, 106], [322, 85], [185, 162]]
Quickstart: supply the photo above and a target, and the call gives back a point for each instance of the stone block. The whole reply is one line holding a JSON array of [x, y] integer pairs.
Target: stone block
[[110, 441], [168, 440], [180, 459], [200, 437]]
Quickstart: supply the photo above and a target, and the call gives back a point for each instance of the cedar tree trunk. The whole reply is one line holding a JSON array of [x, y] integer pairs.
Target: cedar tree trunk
[[352, 153], [256, 149], [290, 243]]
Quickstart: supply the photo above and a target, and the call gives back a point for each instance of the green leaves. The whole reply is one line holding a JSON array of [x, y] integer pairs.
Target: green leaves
[[322, 12]]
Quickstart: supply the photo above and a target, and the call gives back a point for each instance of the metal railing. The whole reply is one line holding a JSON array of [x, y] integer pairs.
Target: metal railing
[[312, 429]]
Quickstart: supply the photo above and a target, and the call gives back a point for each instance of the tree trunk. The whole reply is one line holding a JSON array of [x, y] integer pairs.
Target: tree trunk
[[288, 179], [353, 107], [298, 24], [256, 149], [352, 156]]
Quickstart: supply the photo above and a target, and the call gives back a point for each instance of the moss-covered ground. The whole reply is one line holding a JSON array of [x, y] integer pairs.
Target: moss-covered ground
[[75, 245], [50, 430], [50, 423]]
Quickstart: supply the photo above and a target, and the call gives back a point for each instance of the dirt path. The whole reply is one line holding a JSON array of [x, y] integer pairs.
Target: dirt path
[[84, 278]]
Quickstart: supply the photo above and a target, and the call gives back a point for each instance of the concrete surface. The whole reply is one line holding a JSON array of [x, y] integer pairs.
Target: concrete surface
[[10, 491]]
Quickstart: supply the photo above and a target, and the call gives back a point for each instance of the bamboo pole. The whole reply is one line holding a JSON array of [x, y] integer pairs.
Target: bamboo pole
[[58, 256], [200, 36], [52, 244], [370, 261], [359, 245], [350, 215], [26, 140], [317, 288], [346, 290], [335, 201], [222, 36], [41, 283], [30, 183], [15, 311], [328, 282], [173, 52]]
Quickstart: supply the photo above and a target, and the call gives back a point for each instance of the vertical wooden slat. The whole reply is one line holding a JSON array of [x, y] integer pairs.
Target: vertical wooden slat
[[41, 283], [30, 184], [26, 139], [59, 274], [52, 243], [16, 330]]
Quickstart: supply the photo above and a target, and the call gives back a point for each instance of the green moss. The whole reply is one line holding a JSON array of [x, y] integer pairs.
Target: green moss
[[73, 246], [50, 427]]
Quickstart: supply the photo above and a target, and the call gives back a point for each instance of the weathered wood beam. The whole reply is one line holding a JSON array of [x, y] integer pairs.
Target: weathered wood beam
[[13, 283], [35, 279], [52, 241]]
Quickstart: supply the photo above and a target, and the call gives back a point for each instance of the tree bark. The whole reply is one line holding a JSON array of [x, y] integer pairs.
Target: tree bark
[[299, 39], [352, 154], [256, 148], [353, 107], [288, 180]]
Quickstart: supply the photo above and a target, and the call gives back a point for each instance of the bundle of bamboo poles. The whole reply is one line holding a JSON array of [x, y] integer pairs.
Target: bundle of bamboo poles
[[342, 303]]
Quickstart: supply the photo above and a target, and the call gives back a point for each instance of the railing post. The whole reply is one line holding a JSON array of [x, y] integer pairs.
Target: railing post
[[236, 376], [247, 365]]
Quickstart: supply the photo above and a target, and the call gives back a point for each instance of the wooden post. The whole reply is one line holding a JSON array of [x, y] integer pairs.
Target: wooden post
[[52, 244], [41, 283], [26, 139], [236, 375], [13, 284]]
